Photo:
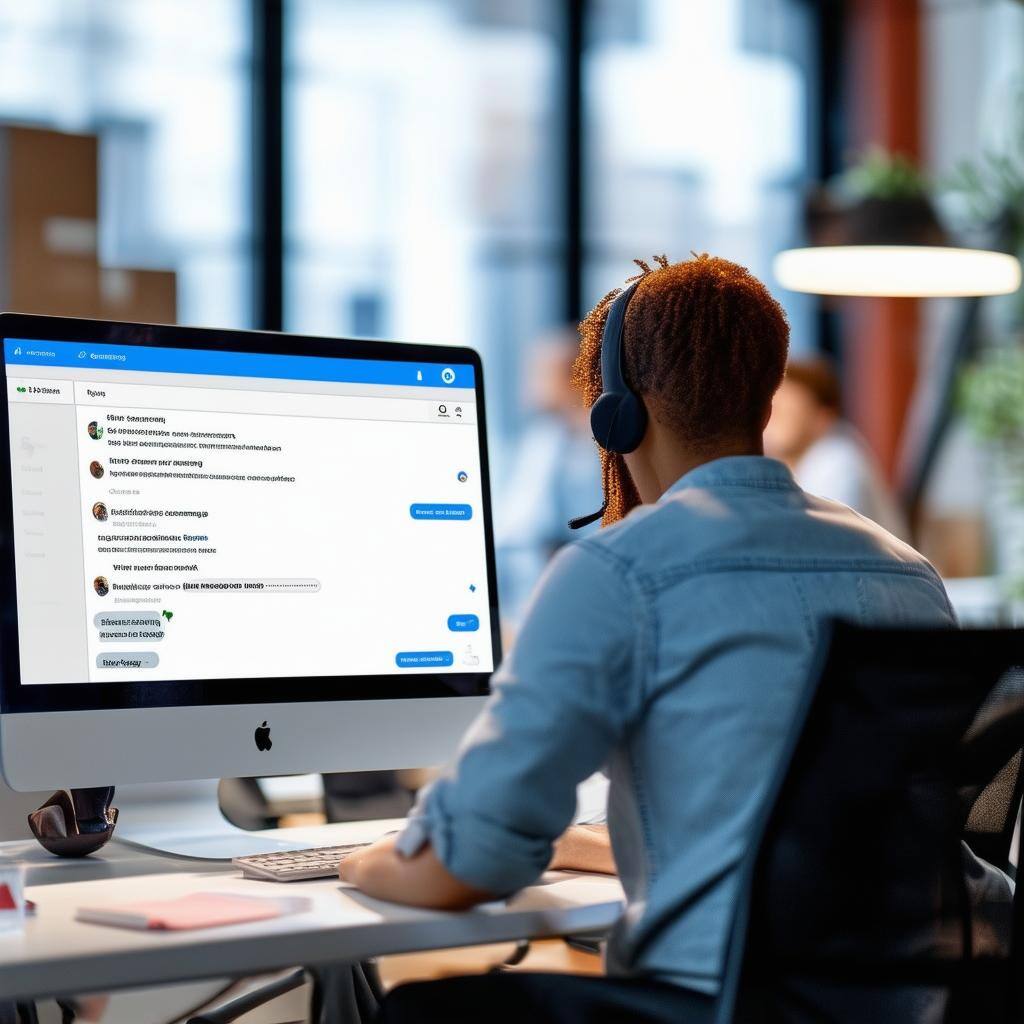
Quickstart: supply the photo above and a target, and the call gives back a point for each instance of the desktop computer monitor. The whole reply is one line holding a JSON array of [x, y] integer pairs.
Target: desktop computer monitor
[[236, 554]]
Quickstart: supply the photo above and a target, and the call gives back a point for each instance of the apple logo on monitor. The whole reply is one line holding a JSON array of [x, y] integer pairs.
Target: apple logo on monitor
[[262, 737]]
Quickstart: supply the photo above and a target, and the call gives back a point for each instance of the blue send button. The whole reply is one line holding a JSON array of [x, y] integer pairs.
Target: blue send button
[[463, 623], [424, 659], [441, 511]]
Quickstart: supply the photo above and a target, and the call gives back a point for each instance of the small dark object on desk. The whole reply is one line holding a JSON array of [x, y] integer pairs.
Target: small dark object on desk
[[75, 823]]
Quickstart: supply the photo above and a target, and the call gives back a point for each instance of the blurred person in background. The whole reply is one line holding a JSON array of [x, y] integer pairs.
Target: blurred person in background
[[823, 450], [554, 474]]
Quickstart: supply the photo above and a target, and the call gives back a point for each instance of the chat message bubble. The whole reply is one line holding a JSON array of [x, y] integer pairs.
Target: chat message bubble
[[129, 627], [128, 660], [424, 659], [441, 512], [127, 620], [251, 586]]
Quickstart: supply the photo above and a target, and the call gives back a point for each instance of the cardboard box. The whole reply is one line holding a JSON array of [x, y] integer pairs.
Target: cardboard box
[[49, 230]]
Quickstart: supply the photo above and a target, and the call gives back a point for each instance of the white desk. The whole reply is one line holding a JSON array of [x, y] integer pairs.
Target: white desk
[[56, 955]]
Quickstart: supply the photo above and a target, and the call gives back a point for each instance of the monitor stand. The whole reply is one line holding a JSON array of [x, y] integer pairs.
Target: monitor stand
[[183, 819]]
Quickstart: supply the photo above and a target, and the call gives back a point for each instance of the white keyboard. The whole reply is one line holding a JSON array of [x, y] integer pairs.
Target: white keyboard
[[296, 865]]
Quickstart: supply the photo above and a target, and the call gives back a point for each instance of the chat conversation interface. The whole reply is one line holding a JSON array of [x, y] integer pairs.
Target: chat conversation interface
[[193, 515]]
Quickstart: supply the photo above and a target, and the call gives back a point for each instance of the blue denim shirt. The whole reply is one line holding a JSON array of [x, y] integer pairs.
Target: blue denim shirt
[[669, 649]]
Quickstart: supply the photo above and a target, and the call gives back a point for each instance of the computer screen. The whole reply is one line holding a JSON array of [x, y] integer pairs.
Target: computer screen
[[194, 514]]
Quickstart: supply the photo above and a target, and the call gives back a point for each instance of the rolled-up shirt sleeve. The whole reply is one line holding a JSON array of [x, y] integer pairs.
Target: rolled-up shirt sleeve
[[559, 705]]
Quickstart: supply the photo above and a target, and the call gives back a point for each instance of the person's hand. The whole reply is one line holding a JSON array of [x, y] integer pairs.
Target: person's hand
[[584, 848], [349, 867]]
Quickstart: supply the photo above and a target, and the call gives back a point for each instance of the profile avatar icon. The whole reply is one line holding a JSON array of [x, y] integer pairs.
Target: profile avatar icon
[[96, 468], [101, 585], [95, 430], [99, 511], [462, 476]]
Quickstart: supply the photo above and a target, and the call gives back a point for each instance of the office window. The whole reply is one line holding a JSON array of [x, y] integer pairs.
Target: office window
[[422, 176], [697, 127], [165, 86]]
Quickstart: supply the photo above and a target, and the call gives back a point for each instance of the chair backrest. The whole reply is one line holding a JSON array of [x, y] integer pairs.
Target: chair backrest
[[992, 819], [855, 884]]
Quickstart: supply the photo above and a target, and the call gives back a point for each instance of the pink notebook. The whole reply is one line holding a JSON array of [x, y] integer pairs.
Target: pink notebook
[[197, 910]]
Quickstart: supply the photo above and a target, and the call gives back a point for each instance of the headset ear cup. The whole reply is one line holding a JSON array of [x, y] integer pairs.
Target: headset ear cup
[[603, 414], [630, 424], [618, 422], [618, 418]]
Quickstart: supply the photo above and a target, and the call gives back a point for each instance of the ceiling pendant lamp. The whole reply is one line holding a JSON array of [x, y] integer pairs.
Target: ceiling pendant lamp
[[913, 271], [889, 245]]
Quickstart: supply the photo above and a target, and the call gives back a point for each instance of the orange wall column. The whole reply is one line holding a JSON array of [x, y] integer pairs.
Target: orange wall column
[[885, 107]]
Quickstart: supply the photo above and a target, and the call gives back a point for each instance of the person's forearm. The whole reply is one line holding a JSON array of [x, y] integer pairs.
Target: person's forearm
[[585, 848], [419, 881]]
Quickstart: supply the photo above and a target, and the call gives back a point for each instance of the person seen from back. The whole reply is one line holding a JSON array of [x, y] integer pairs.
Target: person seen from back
[[669, 647]]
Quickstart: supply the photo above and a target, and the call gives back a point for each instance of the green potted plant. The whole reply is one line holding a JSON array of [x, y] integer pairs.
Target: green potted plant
[[991, 401], [882, 199], [990, 192]]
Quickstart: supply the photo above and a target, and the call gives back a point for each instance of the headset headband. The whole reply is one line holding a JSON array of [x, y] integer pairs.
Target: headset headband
[[612, 379]]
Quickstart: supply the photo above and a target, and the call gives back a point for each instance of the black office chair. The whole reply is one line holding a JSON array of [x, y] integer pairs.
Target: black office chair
[[859, 900]]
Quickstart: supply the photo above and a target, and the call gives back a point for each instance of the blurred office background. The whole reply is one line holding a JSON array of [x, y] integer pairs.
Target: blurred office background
[[482, 171]]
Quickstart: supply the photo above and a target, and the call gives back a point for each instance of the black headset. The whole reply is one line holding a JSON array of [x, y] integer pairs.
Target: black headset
[[618, 418]]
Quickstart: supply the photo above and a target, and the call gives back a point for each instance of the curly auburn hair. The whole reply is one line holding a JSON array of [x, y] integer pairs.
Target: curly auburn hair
[[704, 343]]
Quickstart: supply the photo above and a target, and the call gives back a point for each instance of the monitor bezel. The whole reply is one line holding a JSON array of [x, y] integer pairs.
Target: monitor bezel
[[17, 697]]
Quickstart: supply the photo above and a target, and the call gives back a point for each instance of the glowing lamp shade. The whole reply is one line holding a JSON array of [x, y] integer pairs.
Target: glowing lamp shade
[[910, 271]]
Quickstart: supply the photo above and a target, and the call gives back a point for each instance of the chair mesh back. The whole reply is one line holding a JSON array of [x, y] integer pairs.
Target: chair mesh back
[[860, 869], [993, 812]]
